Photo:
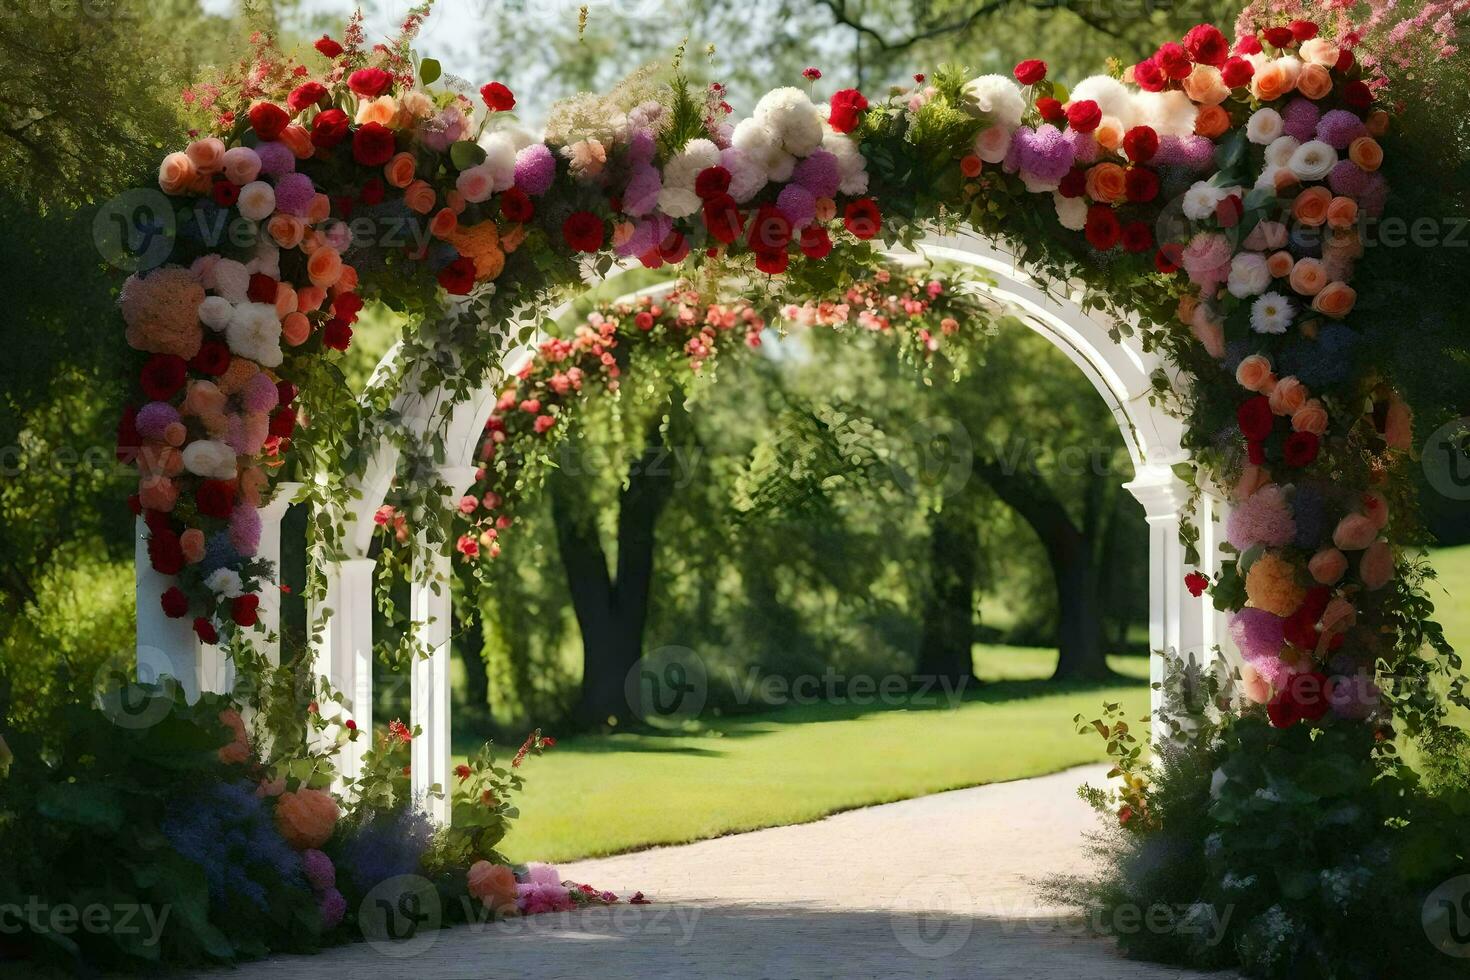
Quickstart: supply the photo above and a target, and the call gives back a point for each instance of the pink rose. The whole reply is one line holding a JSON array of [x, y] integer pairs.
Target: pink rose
[[1376, 567], [1354, 533], [1328, 566]]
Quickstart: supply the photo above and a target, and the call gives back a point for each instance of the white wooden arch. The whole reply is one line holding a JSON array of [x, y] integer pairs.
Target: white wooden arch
[[1121, 372]]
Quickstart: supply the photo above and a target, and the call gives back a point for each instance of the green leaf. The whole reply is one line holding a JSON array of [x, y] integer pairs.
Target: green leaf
[[466, 154], [429, 71], [97, 807]]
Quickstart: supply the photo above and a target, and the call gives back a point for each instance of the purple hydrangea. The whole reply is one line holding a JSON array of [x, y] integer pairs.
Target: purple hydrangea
[[1044, 152], [641, 147], [275, 158], [260, 394], [640, 197], [332, 907], [535, 169], [1191, 152], [1262, 518], [320, 873], [819, 173], [1299, 119], [1338, 128], [1260, 636], [388, 845], [228, 832], [1084, 146], [646, 235], [154, 418], [245, 529], [294, 194], [798, 204]]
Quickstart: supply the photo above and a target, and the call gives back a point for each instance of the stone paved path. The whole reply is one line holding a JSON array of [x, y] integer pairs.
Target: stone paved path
[[940, 886]]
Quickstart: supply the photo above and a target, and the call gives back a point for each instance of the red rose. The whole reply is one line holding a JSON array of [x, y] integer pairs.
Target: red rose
[[245, 609], [1229, 211], [213, 358], [1074, 184], [516, 205], [1255, 452], [1051, 110], [373, 144], [1303, 30], [327, 46], [346, 306], [1164, 263], [224, 193], [1206, 45], [1237, 72], [723, 219], [305, 95], [262, 288], [369, 83], [372, 191], [1278, 37], [286, 392], [1174, 60], [712, 182], [1149, 76], [770, 230], [1301, 448], [1084, 116], [283, 423], [1030, 71], [498, 98], [674, 248], [847, 110], [583, 231], [337, 334], [329, 128], [1141, 143], [1309, 692], [1102, 229], [1248, 44], [174, 602], [1345, 62], [215, 498], [815, 242], [164, 552], [268, 120], [1256, 418], [1141, 184], [1196, 583], [1282, 710], [458, 277], [1137, 237], [772, 263], [163, 376], [862, 218], [206, 632], [1357, 95]]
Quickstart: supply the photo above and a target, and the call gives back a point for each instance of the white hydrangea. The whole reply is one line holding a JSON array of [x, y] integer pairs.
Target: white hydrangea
[[255, 332], [1313, 160], [215, 312], [210, 459], [788, 113], [1071, 212], [1201, 199], [230, 280], [683, 167], [1278, 153], [762, 147], [1271, 313], [1264, 127], [267, 258], [851, 163], [1169, 113], [500, 159], [747, 175], [678, 202], [1268, 177], [225, 582], [1035, 185], [1249, 275], [996, 98], [1111, 96]]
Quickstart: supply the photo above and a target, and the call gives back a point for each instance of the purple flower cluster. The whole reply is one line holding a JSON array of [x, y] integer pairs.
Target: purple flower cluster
[[1299, 119], [228, 832], [388, 845], [275, 158], [1338, 128], [1044, 152], [819, 173], [294, 194], [535, 169], [1191, 152]]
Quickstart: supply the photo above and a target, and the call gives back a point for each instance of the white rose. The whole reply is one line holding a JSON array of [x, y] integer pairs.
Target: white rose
[[993, 143], [1249, 275], [500, 160], [1313, 160], [210, 459], [1201, 199], [1071, 211], [996, 98], [1264, 126], [255, 332], [1278, 153], [215, 312], [257, 200]]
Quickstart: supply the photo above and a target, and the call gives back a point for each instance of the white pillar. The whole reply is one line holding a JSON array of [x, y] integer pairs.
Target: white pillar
[[344, 649], [432, 608], [1174, 621], [165, 646]]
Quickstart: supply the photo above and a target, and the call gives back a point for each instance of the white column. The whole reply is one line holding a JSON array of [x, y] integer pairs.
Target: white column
[[1174, 621], [165, 646], [432, 608], [1213, 511], [344, 649]]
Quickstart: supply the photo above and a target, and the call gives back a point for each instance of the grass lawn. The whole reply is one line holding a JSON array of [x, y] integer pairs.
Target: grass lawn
[[606, 794]]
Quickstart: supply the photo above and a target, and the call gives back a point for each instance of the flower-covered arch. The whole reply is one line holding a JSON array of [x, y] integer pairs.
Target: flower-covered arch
[[1187, 231]]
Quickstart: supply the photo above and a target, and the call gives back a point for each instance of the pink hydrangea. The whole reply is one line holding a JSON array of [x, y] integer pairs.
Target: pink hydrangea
[[1190, 152], [245, 530], [534, 898], [798, 204], [1084, 146], [1338, 128], [294, 194], [320, 873], [819, 173], [1262, 518], [260, 394], [1259, 636], [332, 907], [154, 419], [1299, 119], [275, 158], [1348, 179], [640, 197], [1044, 152], [535, 169]]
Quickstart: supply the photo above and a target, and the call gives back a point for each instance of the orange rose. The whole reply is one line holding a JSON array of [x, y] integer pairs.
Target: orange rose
[[1311, 417], [1187, 304], [1377, 122], [511, 240], [1308, 277], [1107, 182], [285, 298], [1288, 396], [1366, 153], [207, 155], [347, 281], [382, 110], [286, 229], [1311, 205], [1271, 81], [826, 209], [325, 266], [192, 544], [238, 749], [419, 197], [1336, 300], [318, 210], [970, 165], [1321, 52], [1205, 86], [1342, 212], [1253, 372], [158, 493], [455, 200], [494, 885], [1279, 264], [1315, 82], [306, 817], [399, 170], [298, 141], [309, 298], [295, 329], [1109, 133], [176, 173], [1211, 122]]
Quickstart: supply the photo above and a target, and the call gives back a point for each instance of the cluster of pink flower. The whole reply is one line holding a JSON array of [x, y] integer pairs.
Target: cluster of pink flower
[[876, 304], [538, 890]]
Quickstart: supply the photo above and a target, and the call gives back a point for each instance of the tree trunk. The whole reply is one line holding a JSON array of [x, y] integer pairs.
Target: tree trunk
[[612, 611], [949, 611]]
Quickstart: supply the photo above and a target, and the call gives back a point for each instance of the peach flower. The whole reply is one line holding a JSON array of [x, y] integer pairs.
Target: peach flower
[[252, 485], [347, 281], [1209, 332], [1254, 372], [1212, 122], [399, 171], [1328, 566], [1107, 182], [1109, 133], [295, 328], [455, 200], [207, 155], [443, 223], [1398, 427], [1377, 122], [175, 173], [324, 266], [1366, 153], [1272, 80], [309, 298], [1308, 277], [826, 209], [1279, 264], [286, 229], [1205, 86], [158, 493], [511, 239], [494, 885], [1319, 51], [1315, 82], [1342, 212], [382, 110], [1288, 397], [1252, 478], [1336, 300], [238, 750], [1284, 180], [241, 165], [1255, 687], [298, 141], [1271, 584], [285, 298], [1311, 205], [319, 209], [191, 542], [306, 817], [1311, 417], [1376, 568], [1187, 304], [1339, 615], [419, 197], [1354, 532]]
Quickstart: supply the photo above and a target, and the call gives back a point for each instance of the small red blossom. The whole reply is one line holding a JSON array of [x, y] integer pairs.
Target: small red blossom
[[1141, 143], [1255, 418], [305, 95], [328, 47], [369, 83], [811, 74], [245, 609], [1137, 237], [1141, 184], [373, 144], [1301, 448], [268, 120], [1237, 72], [329, 128], [1279, 37], [815, 242], [1206, 45], [1084, 116], [458, 277], [337, 334], [224, 193], [462, 771], [163, 376], [1303, 30], [847, 106], [1030, 71], [583, 231], [1102, 229], [213, 358], [498, 98], [862, 218], [1051, 109], [1150, 76], [175, 603], [205, 630], [515, 205], [1196, 583], [398, 730], [712, 182]]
